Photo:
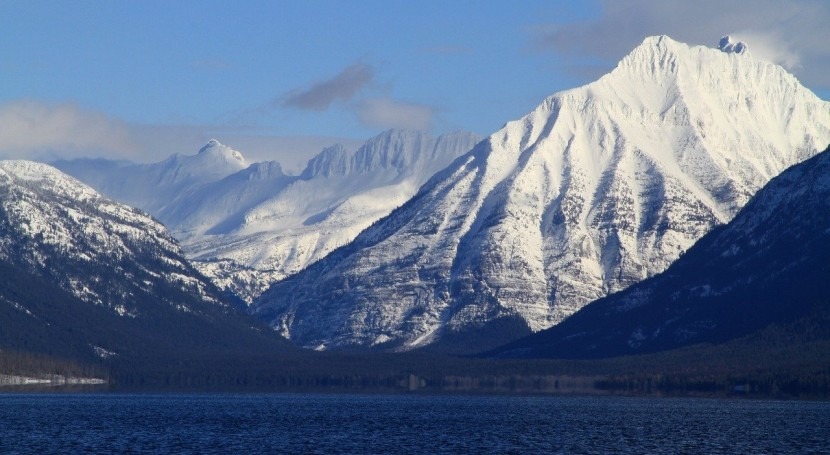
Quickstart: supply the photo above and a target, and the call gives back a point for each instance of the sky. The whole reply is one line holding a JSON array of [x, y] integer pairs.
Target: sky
[[142, 79]]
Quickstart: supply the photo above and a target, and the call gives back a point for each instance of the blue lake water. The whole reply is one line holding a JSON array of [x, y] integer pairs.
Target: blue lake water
[[285, 423]]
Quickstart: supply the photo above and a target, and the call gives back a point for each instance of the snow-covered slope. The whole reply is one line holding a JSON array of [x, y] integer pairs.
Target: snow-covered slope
[[336, 197], [100, 251], [152, 187], [596, 189], [219, 206], [767, 266], [87, 279]]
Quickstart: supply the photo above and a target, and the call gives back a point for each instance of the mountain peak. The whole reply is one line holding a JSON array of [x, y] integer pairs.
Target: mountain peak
[[662, 42], [665, 42], [392, 149], [655, 55], [659, 40], [660, 54], [214, 147], [330, 161], [210, 144]]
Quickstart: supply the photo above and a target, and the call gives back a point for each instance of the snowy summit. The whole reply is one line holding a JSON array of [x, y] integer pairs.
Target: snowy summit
[[215, 147]]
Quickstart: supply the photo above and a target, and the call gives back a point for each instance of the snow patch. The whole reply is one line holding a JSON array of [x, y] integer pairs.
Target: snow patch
[[122, 311], [103, 353], [18, 307]]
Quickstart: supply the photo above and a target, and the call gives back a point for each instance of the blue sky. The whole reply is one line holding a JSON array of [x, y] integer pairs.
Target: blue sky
[[280, 80]]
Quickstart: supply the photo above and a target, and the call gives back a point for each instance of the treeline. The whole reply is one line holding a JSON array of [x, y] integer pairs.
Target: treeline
[[19, 363], [217, 350], [726, 370], [432, 374], [780, 386], [255, 382], [806, 385]]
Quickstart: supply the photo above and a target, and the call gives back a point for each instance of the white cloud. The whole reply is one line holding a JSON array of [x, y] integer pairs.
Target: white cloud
[[30, 128], [793, 34], [35, 130], [389, 113], [770, 47]]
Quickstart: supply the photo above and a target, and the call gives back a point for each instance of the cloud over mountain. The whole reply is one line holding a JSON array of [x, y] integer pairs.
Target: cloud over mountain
[[29, 127], [786, 33], [388, 113], [321, 95]]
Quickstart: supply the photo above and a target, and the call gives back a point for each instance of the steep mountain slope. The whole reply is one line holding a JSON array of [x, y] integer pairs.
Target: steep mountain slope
[[100, 251], [767, 266], [85, 277], [598, 188], [219, 206], [247, 228], [335, 198]]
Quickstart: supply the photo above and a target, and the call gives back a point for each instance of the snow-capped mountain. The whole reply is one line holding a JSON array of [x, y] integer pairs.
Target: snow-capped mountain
[[100, 251], [247, 227], [301, 220], [596, 189], [768, 265], [85, 277], [152, 187]]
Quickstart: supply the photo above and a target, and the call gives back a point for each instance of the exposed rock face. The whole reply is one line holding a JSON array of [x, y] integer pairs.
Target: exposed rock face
[[725, 44], [767, 266]]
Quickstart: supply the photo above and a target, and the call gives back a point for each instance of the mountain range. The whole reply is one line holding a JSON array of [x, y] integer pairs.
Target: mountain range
[[409, 242], [152, 187], [668, 222], [597, 189], [766, 267], [79, 294], [248, 225]]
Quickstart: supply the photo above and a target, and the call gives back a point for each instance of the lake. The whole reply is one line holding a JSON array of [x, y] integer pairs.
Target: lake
[[398, 424]]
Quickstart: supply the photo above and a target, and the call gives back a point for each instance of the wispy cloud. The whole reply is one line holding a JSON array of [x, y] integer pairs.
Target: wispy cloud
[[32, 129], [389, 113], [321, 95], [769, 45], [793, 34], [29, 128], [355, 89]]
